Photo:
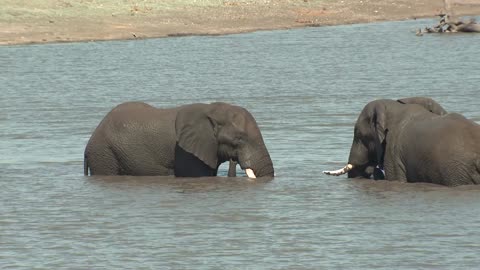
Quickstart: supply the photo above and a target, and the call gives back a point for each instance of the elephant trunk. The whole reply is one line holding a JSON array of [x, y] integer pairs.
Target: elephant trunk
[[363, 159], [258, 164], [360, 162], [264, 167]]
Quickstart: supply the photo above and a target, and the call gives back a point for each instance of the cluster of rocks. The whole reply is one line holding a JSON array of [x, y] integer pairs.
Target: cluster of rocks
[[448, 24]]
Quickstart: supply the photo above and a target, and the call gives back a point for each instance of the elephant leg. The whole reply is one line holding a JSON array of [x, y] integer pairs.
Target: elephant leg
[[102, 161], [232, 169], [188, 165]]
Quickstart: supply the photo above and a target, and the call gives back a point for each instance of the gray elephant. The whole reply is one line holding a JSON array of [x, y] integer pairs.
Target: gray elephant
[[193, 140], [414, 140]]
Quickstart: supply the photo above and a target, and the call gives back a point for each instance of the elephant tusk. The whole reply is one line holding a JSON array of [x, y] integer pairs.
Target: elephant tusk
[[250, 173], [341, 171]]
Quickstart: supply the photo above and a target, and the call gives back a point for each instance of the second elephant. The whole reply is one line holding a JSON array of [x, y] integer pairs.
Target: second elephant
[[413, 140]]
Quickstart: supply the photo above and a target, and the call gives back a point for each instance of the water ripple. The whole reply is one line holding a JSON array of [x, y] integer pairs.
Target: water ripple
[[305, 87]]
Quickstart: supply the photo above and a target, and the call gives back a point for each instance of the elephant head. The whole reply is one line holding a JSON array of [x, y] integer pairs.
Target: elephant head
[[370, 133], [218, 132]]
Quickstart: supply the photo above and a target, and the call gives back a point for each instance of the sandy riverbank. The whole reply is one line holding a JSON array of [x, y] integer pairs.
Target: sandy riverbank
[[37, 21]]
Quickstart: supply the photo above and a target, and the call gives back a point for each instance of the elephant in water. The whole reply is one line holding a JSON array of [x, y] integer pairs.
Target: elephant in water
[[193, 140], [414, 140]]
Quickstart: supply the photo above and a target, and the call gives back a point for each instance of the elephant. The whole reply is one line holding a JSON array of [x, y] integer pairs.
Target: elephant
[[192, 140], [414, 140]]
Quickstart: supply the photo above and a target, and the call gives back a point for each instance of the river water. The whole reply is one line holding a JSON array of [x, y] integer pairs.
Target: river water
[[305, 87]]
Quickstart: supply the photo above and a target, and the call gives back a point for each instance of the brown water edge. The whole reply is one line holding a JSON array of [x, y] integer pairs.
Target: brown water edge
[[64, 23]]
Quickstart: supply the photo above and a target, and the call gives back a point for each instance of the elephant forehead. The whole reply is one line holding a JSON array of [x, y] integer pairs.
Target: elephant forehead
[[238, 118], [243, 120]]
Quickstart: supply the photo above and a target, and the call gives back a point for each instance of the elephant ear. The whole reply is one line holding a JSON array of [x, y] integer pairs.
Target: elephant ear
[[195, 133], [379, 127]]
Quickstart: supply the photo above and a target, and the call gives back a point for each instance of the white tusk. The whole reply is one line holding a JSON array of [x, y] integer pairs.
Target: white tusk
[[250, 173], [341, 171]]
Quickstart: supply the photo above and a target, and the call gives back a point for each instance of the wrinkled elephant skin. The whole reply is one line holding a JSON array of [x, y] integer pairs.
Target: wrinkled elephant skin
[[414, 140], [189, 141]]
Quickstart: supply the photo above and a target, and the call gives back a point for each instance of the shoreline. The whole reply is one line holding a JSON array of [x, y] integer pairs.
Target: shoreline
[[64, 21]]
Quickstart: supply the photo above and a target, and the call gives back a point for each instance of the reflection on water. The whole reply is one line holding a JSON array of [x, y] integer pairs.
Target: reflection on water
[[181, 185], [305, 88]]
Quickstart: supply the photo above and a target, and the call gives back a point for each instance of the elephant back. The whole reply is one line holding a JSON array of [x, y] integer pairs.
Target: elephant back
[[141, 136]]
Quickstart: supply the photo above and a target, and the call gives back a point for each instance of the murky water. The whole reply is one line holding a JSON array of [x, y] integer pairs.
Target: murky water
[[305, 87]]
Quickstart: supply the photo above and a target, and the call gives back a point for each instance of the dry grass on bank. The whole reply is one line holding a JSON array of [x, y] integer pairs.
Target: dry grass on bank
[[23, 9], [34, 21]]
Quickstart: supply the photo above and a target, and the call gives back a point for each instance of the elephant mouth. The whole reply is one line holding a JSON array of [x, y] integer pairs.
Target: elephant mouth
[[378, 171]]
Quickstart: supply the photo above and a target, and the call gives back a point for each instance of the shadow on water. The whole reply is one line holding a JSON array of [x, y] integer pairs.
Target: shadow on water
[[395, 190]]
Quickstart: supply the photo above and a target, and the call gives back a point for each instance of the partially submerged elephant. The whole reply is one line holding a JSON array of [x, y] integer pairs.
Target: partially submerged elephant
[[414, 140], [193, 140]]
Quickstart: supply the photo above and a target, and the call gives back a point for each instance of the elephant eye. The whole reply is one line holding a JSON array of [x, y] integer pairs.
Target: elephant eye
[[237, 141]]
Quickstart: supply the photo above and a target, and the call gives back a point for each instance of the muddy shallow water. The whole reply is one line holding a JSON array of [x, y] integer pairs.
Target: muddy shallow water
[[305, 88]]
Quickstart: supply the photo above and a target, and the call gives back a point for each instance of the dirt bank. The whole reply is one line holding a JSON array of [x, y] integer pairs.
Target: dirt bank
[[37, 21]]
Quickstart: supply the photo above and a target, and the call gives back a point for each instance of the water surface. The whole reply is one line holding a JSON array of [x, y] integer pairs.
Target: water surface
[[305, 87]]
